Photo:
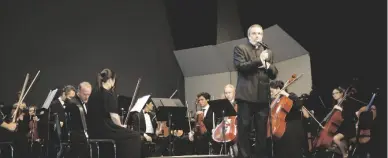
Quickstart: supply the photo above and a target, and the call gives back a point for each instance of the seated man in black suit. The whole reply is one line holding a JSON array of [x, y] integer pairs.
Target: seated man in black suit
[[145, 123], [74, 108]]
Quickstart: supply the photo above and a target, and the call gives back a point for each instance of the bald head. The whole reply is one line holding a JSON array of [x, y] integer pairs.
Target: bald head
[[229, 92], [84, 91]]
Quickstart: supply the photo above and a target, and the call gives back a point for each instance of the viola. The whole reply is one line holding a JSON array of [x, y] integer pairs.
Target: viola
[[361, 113], [230, 125], [280, 107], [199, 125]]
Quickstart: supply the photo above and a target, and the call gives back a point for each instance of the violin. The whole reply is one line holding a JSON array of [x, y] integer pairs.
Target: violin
[[33, 125], [199, 125], [280, 107], [335, 120]]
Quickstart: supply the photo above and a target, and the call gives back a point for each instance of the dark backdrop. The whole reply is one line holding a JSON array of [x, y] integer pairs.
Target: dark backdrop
[[71, 41]]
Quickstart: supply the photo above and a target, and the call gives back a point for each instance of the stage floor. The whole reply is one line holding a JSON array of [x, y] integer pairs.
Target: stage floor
[[196, 156]]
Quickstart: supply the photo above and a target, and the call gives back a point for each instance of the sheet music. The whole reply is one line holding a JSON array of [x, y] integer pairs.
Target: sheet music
[[140, 103], [49, 98]]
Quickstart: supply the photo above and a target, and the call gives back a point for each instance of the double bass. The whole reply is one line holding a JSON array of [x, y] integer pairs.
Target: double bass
[[230, 124], [280, 107]]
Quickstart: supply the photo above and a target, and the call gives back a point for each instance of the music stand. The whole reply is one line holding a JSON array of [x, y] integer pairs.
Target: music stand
[[222, 108], [169, 111]]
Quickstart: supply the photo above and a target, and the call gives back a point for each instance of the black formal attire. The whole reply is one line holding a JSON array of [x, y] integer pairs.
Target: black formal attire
[[18, 138], [252, 89], [74, 109], [57, 107], [139, 124], [201, 141], [292, 141], [348, 125], [100, 125]]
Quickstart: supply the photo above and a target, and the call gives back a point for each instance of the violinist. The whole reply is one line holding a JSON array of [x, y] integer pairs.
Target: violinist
[[33, 134], [103, 120], [204, 126], [145, 123], [10, 132], [347, 129], [291, 143]]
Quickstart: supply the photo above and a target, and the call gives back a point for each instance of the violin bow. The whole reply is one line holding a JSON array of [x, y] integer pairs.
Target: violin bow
[[24, 93], [132, 101]]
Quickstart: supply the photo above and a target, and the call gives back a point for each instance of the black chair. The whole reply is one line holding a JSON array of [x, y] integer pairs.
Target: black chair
[[10, 144], [89, 142]]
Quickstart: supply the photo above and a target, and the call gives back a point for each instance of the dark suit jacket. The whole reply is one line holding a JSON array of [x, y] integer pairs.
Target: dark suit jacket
[[139, 122], [252, 82], [74, 117]]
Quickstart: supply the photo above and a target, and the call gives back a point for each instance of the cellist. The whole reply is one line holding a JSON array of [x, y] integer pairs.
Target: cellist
[[347, 128], [291, 143]]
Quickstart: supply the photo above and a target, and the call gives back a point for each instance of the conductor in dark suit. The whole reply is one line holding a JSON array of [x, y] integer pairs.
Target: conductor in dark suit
[[254, 64]]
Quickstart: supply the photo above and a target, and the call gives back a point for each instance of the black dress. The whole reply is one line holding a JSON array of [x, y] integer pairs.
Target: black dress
[[100, 125], [348, 125], [291, 143]]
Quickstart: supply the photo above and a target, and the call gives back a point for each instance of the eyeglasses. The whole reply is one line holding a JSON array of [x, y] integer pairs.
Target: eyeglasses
[[335, 93]]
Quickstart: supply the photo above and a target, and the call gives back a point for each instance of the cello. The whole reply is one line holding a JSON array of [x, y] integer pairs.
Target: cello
[[280, 107], [335, 120], [230, 124]]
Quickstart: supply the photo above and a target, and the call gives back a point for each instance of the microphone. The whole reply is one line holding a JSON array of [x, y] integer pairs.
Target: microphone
[[263, 44]]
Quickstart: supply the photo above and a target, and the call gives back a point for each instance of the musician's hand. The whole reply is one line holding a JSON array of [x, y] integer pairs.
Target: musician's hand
[[124, 126], [11, 126], [283, 92], [35, 118], [147, 137], [337, 107], [199, 112], [191, 135], [21, 117], [264, 55]]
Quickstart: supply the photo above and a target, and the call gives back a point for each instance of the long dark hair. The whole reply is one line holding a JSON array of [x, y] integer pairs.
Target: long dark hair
[[104, 76]]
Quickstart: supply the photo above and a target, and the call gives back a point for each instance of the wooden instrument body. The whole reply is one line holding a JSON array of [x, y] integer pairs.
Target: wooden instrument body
[[365, 133], [326, 135], [162, 130], [199, 125], [33, 125], [279, 113], [230, 124]]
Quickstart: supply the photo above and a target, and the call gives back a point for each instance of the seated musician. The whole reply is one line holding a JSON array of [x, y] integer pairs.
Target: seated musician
[[202, 140], [347, 129], [229, 93], [58, 107], [103, 120], [77, 135], [8, 133], [145, 123], [33, 134], [291, 143]]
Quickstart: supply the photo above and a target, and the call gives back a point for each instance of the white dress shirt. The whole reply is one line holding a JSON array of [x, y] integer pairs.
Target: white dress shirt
[[148, 123], [205, 109]]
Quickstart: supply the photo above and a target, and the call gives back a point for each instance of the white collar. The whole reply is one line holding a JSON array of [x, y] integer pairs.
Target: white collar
[[61, 101], [206, 107]]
